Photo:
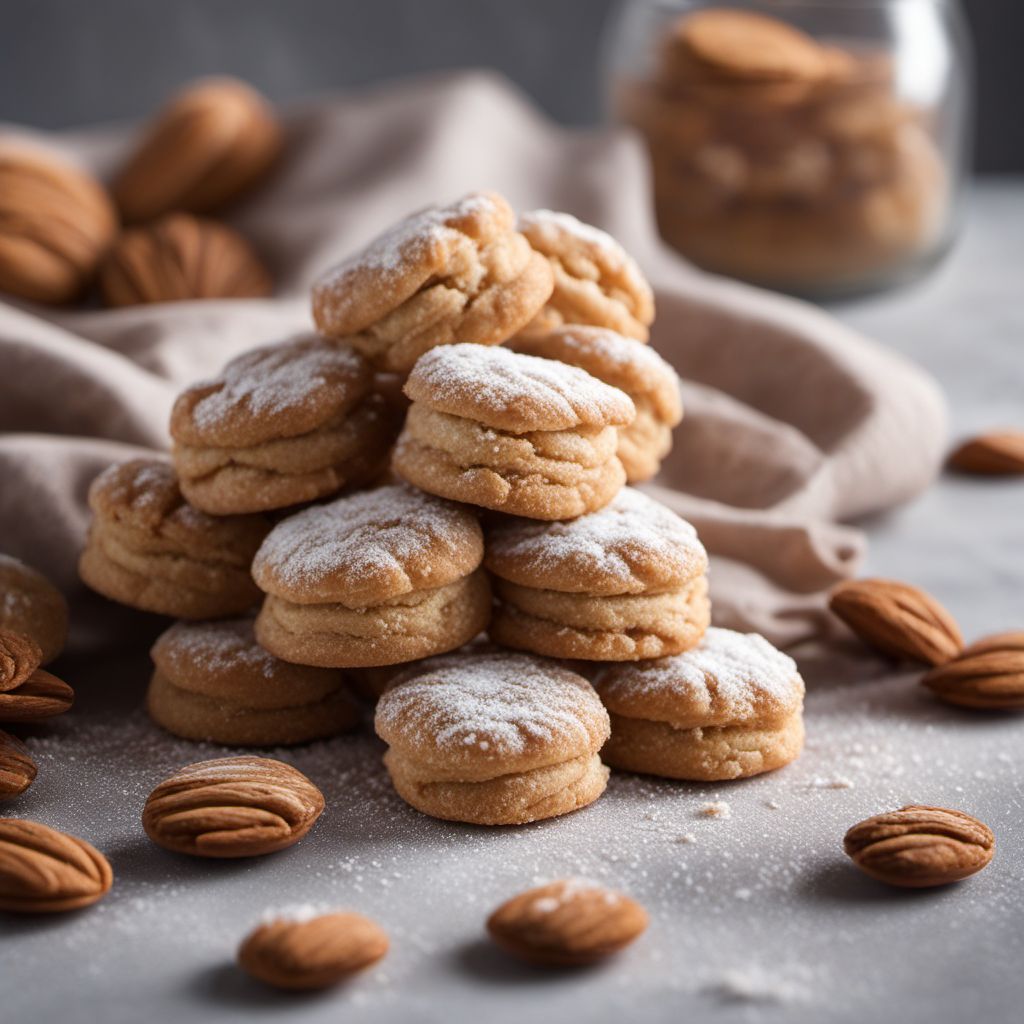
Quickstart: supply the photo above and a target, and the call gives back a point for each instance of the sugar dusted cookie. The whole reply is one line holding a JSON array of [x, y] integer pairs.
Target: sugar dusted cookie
[[443, 275], [31, 606], [148, 548], [281, 425], [635, 369], [625, 583], [375, 578], [729, 708], [493, 739], [213, 682], [596, 280], [510, 432]]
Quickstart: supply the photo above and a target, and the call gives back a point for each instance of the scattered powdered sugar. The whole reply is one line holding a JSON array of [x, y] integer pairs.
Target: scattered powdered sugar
[[497, 383], [715, 809], [758, 984], [632, 532], [565, 891], [541, 222], [293, 913], [497, 702], [221, 646]]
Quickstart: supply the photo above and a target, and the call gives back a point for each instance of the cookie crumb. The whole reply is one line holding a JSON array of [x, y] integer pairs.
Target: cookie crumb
[[715, 809]]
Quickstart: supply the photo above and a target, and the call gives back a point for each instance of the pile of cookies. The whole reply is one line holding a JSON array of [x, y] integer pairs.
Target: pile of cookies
[[450, 455], [782, 159]]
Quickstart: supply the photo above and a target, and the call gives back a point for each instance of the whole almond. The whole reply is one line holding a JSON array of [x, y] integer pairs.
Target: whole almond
[[567, 923], [898, 619], [44, 871], [42, 695], [918, 846], [312, 953], [998, 453], [17, 769], [988, 674], [20, 656], [232, 807]]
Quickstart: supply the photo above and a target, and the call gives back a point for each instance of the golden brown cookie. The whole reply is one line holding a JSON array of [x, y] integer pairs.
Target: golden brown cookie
[[281, 425], [493, 739], [596, 281], [375, 578], [624, 583], [148, 548], [32, 606], [443, 275], [635, 369], [729, 708], [211, 143], [55, 224], [510, 432], [213, 682], [181, 257]]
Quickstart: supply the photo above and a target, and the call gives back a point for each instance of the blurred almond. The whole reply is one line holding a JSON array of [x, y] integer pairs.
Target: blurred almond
[[232, 807], [988, 674], [55, 224], [211, 143], [42, 695], [310, 953], [567, 923], [181, 257], [19, 658], [898, 619], [17, 769], [998, 453], [44, 871]]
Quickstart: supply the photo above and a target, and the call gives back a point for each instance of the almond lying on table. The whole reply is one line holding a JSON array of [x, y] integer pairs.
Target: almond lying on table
[[918, 846], [898, 619], [989, 674], [567, 923], [42, 695], [311, 952], [17, 769], [997, 453], [20, 656]]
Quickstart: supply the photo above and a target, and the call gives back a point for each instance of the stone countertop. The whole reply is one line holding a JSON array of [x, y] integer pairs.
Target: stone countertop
[[756, 914]]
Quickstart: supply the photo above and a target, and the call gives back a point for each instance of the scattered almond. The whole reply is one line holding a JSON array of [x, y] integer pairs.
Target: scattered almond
[[17, 769], [898, 619], [567, 923], [917, 846], [988, 674], [20, 656], [44, 871], [998, 453], [313, 953], [42, 695], [232, 807]]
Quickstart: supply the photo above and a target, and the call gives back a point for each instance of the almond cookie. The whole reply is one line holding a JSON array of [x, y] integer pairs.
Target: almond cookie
[[729, 708], [510, 432], [375, 578], [213, 682], [493, 739], [31, 606], [211, 143], [635, 369], [596, 280], [281, 425], [621, 584], [443, 275], [148, 548]]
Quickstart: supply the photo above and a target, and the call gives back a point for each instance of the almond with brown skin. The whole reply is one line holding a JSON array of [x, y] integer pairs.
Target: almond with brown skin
[[20, 656], [314, 952], [917, 846], [997, 453], [232, 807], [567, 923], [988, 674], [44, 871], [42, 695], [898, 619], [17, 769]]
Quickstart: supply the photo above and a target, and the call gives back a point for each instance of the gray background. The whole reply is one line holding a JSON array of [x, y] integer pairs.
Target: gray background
[[66, 62]]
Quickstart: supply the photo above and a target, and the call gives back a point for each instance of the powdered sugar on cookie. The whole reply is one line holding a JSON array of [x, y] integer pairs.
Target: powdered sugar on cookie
[[217, 647], [546, 226]]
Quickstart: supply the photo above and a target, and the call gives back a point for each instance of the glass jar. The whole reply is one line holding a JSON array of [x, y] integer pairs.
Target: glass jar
[[814, 146]]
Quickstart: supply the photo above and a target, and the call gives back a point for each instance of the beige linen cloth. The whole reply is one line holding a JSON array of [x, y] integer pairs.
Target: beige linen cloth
[[793, 423]]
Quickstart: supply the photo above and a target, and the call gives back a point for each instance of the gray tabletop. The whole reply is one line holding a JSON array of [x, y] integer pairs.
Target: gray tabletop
[[755, 913]]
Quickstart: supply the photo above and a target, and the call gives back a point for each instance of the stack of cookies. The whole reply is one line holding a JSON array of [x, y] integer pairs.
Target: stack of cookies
[[472, 553]]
